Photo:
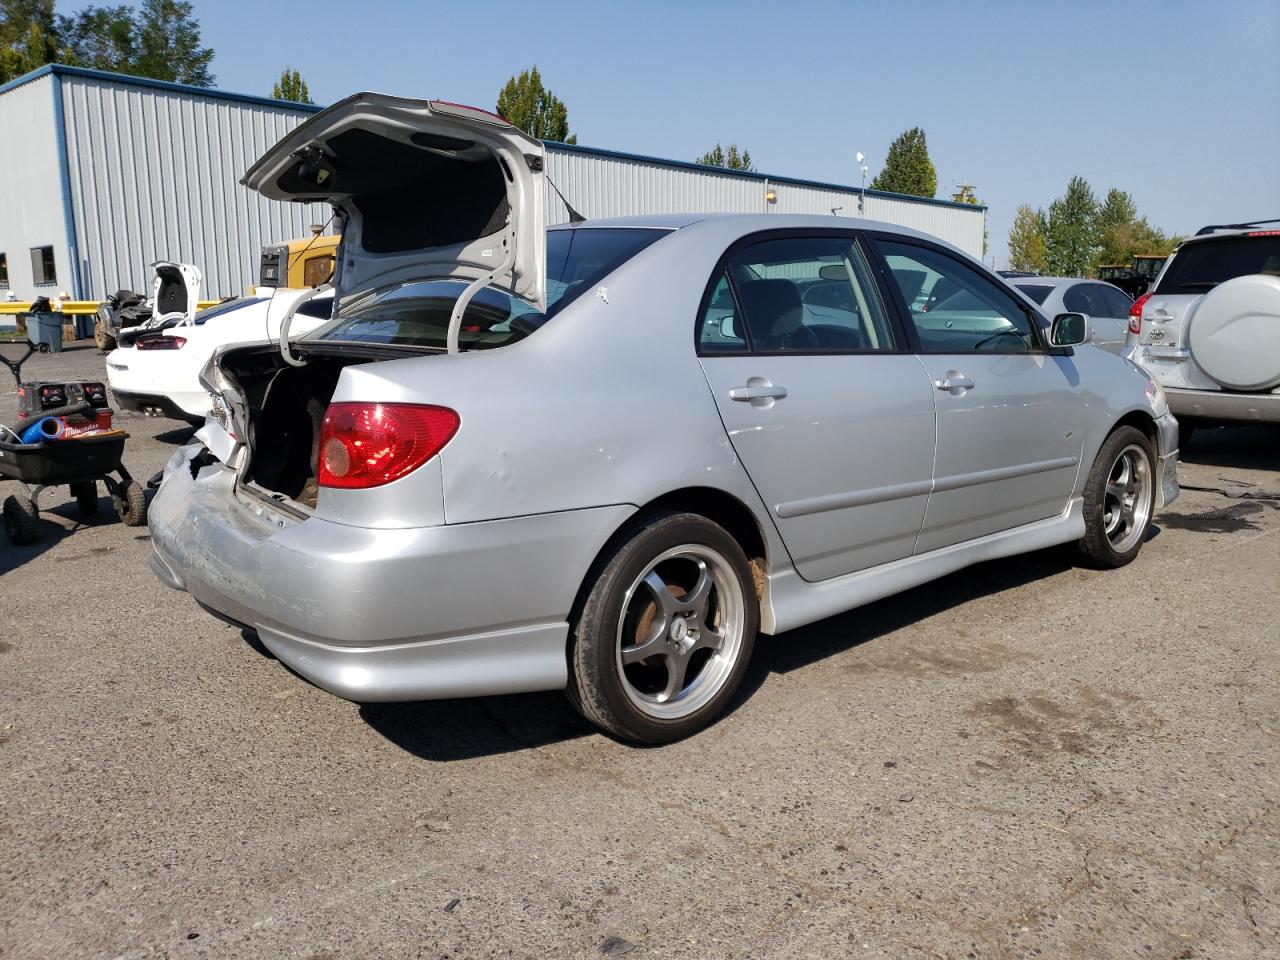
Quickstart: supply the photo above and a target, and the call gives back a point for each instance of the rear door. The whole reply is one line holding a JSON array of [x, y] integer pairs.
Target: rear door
[[1009, 420], [427, 190], [829, 411]]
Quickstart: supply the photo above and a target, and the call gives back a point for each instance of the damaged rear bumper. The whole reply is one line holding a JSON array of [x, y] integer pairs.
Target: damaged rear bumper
[[387, 614], [1166, 460]]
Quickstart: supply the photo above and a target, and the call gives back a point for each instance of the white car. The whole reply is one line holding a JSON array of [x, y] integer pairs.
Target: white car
[[158, 373]]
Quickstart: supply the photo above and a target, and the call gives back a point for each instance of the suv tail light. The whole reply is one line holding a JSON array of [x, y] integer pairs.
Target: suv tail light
[[368, 444], [160, 343], [1135, 313]]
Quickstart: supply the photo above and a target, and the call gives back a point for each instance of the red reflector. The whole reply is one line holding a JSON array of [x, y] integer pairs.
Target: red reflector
[[1263, 233], [368, 444], [160, 343], [1135, 313]]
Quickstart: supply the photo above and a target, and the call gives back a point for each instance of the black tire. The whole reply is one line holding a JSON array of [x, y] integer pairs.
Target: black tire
[[101, 338], [1098, 547], [21, 520], [131, 506], [86, 494], [605, 691]]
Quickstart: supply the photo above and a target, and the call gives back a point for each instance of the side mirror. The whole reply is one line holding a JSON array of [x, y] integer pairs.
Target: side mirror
[[1069, 330]]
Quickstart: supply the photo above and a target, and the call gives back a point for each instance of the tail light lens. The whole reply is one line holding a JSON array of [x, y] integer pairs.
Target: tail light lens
[[160, 343], [368, 444], [1135, 313]]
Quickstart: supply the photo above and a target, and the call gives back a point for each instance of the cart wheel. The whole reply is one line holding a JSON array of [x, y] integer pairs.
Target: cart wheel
[[131, 506], [86, 494], [104, 341], [21, 520]]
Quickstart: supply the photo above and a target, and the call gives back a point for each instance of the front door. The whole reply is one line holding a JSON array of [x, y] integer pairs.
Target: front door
[[1009, 424], [831, 414]]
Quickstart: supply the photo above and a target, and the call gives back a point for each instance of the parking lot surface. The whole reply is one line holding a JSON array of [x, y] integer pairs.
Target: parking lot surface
[[1025, 759]]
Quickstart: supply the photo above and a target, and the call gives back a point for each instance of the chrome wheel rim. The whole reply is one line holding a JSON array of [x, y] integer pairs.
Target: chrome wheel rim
[[1127, 497], [680, 632]]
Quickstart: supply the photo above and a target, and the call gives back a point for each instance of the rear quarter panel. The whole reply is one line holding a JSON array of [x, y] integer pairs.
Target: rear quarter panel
[[607, 404]]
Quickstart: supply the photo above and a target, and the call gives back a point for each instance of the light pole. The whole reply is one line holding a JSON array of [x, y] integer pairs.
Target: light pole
[[863, 192]]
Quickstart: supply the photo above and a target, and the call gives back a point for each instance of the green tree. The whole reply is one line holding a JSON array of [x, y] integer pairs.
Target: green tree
[[1121, 242], [907, 167], [526, 103], [1027, 241], [169, 44], [1118, 208], [291, 86], [730, 158], [1072, 238], [104, 38], [29, 37]]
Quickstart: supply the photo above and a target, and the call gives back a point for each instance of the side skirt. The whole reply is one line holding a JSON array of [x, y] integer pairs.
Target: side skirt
[[791, 602]]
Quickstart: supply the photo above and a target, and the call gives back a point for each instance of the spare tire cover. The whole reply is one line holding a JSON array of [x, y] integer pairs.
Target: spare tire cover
[[1235, 333]]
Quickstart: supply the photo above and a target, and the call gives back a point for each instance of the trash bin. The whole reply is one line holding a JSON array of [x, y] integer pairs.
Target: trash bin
[[45, 330], [82, 324]]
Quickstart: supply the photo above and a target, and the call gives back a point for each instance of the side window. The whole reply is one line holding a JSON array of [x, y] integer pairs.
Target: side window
[[4, 272], [1117, 303], [954, 308], [1076, 301], [800, 295], [721, 330]]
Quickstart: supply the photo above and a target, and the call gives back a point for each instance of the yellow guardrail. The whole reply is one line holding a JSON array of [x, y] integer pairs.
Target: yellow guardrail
[[73, 307]]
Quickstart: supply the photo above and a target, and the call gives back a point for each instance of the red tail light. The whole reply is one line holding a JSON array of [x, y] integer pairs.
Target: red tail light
[[368, 444], [160, 343], [1135, 313]]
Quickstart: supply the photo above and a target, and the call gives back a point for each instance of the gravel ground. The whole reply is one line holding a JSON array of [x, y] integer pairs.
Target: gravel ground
[[1024, 759]]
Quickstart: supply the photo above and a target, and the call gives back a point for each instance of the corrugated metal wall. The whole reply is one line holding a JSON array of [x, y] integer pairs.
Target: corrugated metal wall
[[154, 177], [31, 211], [605, 185]]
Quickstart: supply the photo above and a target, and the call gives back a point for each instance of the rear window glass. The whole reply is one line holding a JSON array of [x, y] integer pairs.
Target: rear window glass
[[417, 314], [1198, 267], [1036, 291]]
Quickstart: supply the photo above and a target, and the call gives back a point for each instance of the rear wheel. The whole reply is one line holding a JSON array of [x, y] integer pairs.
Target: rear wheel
[[1119, 496], [131, 504], [666, 632], [103, 340], [21, 520]]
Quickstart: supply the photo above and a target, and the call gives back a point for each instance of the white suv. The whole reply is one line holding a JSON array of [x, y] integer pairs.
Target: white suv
[[1209, 330]]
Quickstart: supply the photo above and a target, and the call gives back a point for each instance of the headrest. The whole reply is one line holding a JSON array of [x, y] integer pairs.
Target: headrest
[[773, 307]]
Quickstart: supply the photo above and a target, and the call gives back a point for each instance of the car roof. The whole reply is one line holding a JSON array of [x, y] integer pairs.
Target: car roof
[[745, 223]]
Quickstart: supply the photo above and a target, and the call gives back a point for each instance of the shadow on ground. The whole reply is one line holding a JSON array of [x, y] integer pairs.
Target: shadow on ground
[[445, 730], [1252, 447]]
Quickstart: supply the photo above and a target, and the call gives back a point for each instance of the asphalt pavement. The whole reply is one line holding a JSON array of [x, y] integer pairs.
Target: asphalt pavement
[[1025, 759]]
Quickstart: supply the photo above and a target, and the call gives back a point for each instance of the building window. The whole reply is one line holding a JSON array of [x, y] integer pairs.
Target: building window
[[42, 266], [4, 271]]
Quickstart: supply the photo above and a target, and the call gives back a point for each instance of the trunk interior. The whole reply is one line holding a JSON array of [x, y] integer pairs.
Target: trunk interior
[[286, 407]]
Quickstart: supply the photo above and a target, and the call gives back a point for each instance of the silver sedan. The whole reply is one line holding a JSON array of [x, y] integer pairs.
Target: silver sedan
[[604, 457], [1106, 306]]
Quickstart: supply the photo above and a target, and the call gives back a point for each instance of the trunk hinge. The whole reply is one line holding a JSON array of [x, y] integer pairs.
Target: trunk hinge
[[475, 286], [287, 320]]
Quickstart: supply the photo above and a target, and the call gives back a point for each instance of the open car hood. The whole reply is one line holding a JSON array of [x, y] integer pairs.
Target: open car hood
[[429, 189]]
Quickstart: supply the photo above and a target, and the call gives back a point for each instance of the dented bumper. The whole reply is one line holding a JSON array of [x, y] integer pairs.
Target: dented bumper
[[371, 615]]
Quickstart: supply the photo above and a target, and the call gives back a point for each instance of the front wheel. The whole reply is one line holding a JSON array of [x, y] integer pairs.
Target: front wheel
[[21, 520], [131, 504], [1118, 499], [665, 634]]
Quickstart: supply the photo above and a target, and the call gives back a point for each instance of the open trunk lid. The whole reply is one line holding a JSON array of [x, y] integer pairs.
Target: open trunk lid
[[428, 189]]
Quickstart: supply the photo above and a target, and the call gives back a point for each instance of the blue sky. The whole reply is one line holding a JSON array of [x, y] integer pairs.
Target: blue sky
[[1177, 103]]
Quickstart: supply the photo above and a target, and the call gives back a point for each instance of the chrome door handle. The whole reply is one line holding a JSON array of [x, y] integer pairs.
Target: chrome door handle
[[954, 383], [747, 394]]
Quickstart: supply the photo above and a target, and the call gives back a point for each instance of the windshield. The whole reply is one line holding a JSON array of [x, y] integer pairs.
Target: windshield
[[1036, 291], [1201, 266], [417, 313]]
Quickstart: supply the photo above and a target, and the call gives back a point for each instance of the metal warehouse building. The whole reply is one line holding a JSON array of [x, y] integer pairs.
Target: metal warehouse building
[[107, 173]]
